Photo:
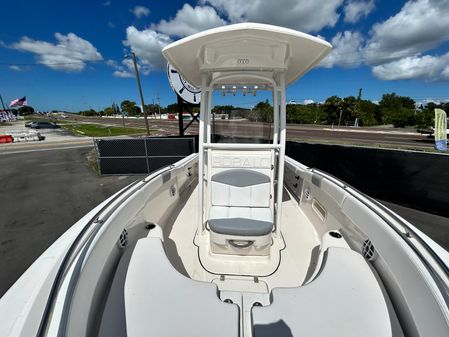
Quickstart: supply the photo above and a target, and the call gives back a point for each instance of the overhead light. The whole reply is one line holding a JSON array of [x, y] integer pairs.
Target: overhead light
[[245, 90], [234, 90], [255, 90]]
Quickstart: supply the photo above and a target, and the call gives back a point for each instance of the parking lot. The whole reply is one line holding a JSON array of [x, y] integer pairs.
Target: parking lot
[[43, 194], [51, 135]]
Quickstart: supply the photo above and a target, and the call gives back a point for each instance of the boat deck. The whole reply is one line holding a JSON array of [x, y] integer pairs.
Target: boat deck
[[168, 279], [162, 274], [298, 256]]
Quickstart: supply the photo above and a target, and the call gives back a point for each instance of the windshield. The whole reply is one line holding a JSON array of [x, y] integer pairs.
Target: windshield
[[248, 124]]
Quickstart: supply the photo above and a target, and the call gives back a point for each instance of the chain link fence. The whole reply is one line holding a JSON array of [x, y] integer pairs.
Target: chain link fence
[[141, 155]]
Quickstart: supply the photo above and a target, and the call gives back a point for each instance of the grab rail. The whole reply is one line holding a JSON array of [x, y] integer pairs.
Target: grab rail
[[240, 146]]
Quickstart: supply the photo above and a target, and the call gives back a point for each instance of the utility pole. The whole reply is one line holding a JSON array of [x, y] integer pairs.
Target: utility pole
[[339, 120], [154, 113], [140, 92], [159, 105], [359, 96]]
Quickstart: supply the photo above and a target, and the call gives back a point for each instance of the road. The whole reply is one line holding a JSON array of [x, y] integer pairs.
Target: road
[[313, 133]]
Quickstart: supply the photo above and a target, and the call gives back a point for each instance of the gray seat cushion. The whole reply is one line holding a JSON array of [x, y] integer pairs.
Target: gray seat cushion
[[240, 226], [241, 221], [240, 177]]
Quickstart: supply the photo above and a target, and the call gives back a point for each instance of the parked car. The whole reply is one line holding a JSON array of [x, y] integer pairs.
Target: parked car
[[44, 125], [28, 124]]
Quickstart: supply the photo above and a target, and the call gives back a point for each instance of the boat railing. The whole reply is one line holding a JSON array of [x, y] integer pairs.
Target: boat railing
[[240, 146]]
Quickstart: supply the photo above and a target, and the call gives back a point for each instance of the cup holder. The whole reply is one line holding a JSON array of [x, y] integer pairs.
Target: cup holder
[[150, 226], [335, 235]]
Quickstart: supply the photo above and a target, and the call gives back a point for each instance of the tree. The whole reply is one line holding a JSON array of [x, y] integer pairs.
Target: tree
[[369, 113], [426, 114], [349, 108], [109, 111], [25, 110], [397, 110], [305, 113], [332, 109], [223, 109], [152, 109], [171, 108], [262, 112], [130, 108], [90, 112]]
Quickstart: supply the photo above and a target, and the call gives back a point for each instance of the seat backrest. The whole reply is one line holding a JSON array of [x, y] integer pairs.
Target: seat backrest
[[240, 188]]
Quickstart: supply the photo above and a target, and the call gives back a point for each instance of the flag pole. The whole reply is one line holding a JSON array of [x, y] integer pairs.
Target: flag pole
[[28, 108], [3, 104]]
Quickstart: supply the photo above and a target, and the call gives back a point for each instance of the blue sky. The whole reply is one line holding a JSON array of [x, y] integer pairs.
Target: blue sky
[[71, 55]]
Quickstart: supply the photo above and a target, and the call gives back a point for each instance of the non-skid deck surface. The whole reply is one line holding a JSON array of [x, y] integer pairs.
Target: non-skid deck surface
[[298, 232]]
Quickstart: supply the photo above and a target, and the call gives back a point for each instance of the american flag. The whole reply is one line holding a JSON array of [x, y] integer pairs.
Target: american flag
[[18, 102]]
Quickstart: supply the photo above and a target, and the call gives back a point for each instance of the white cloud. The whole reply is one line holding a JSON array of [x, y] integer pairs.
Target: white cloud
[[111, 25], [346, 52], [126, 68], [189, 20], [15, 67], [355, 10], [70, 53], [147, 45], [140, 11], [419, 26], [303, 15], [396, 46], [123, 70], [423, 67], [393, 48], [107, 3]]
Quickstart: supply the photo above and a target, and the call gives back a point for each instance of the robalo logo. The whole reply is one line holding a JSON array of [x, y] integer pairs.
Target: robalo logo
[[242, 61]]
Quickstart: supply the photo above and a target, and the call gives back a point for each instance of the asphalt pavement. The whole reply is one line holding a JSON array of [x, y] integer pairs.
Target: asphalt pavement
[[43, 193]]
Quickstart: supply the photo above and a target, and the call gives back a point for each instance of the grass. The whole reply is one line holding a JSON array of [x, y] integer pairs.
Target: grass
[[5, 124], [91, 158], [96, 130]]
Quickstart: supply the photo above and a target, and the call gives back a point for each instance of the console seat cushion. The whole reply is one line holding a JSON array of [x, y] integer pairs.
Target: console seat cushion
[[240, 188], [240, 221], [161, 302], [345, 300]]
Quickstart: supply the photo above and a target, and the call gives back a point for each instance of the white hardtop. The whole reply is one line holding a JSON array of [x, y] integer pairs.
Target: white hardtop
[[246, 56], [246, 47]]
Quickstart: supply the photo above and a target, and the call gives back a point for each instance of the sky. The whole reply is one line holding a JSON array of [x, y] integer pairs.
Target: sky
[[74, 55]]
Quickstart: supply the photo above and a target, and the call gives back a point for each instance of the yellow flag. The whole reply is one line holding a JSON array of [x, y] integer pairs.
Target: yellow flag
[[440, 130]]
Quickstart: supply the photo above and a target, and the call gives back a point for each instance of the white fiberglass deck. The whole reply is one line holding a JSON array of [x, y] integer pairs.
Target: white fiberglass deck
[[316, 274], [300, 237]]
